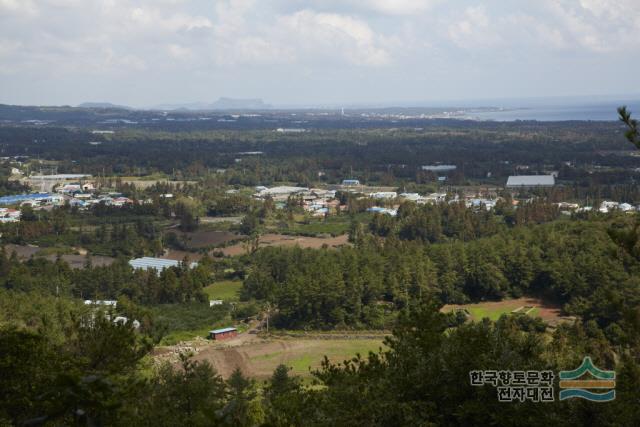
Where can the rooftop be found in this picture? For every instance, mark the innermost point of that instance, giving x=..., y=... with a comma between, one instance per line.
x=223, y=330
x=159, y=264
x=531, y=181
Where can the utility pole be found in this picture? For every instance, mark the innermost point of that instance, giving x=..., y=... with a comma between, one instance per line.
x=268, y=312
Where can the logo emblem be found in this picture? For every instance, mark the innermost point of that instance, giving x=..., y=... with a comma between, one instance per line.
x=571, y=386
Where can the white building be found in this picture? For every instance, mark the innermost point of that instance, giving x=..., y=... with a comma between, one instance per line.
x=607, y=206
x=529, y=181
x=108, y=303
x=439, y=168
x=384, y=211
x=281, y=192
x=487, y=204
x=384, y=195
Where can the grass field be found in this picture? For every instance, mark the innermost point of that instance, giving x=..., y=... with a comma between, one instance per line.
x=494, y=309
x=259, y=359
x=480, y=312
x=227, y=290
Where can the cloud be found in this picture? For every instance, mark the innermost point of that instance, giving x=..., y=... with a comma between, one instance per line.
x=346, y=43
x=328, y=34
x=398, y=7
x=18, y=7
x=474, y=30
x=598, y=25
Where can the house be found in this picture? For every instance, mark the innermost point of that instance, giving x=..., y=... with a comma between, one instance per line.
x=224, y=333
x=625, y=207
x=414, y=197
x=606, y=206
x=567, y=206
x=108, y=303
x=530, y=181
x=290, y=130
x=69, y=188
x=78, y=203
x=9, y=215
x=384, y=211
x=122, y=320
x=436, y=197
x=487, y=204
x=439, y=168
x=384, y=195
x=320, y=212
x=121, y=201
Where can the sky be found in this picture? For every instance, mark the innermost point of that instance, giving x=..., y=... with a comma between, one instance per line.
x=312, y=52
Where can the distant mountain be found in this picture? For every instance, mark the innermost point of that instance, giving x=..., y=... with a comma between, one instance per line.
x=220, y=104
x=193, y=106
x=103, y=105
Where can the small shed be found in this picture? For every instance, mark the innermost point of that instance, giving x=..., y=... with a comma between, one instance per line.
x=224, y=333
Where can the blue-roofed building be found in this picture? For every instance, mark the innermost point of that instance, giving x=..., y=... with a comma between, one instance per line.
x=159, y=264
x=37, y=197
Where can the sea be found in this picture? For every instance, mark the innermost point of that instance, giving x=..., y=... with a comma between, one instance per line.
x=600, y=111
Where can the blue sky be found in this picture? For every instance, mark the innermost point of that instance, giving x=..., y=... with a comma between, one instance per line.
x=148, y=52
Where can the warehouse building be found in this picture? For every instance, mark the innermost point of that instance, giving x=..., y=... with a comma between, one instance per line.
x=159, y=264
x=530, y=181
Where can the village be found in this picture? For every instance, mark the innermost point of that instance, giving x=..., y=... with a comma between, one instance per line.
x=79, y=191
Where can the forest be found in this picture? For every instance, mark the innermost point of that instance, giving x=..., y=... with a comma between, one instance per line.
x=66, y=362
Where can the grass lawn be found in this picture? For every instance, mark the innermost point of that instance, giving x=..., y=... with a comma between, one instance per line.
x=479, y=313
x=494, y=309
x=301, y=355
x=227, y=290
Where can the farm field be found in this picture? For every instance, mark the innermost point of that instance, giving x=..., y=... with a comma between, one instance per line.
x=260, y=357
x=227, y=290
x=494, y=309
x=285, y=240
x=204, y=239
x=74, y=260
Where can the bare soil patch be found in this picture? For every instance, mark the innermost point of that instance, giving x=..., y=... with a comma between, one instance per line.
x=74, y=261
x=285, y=240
